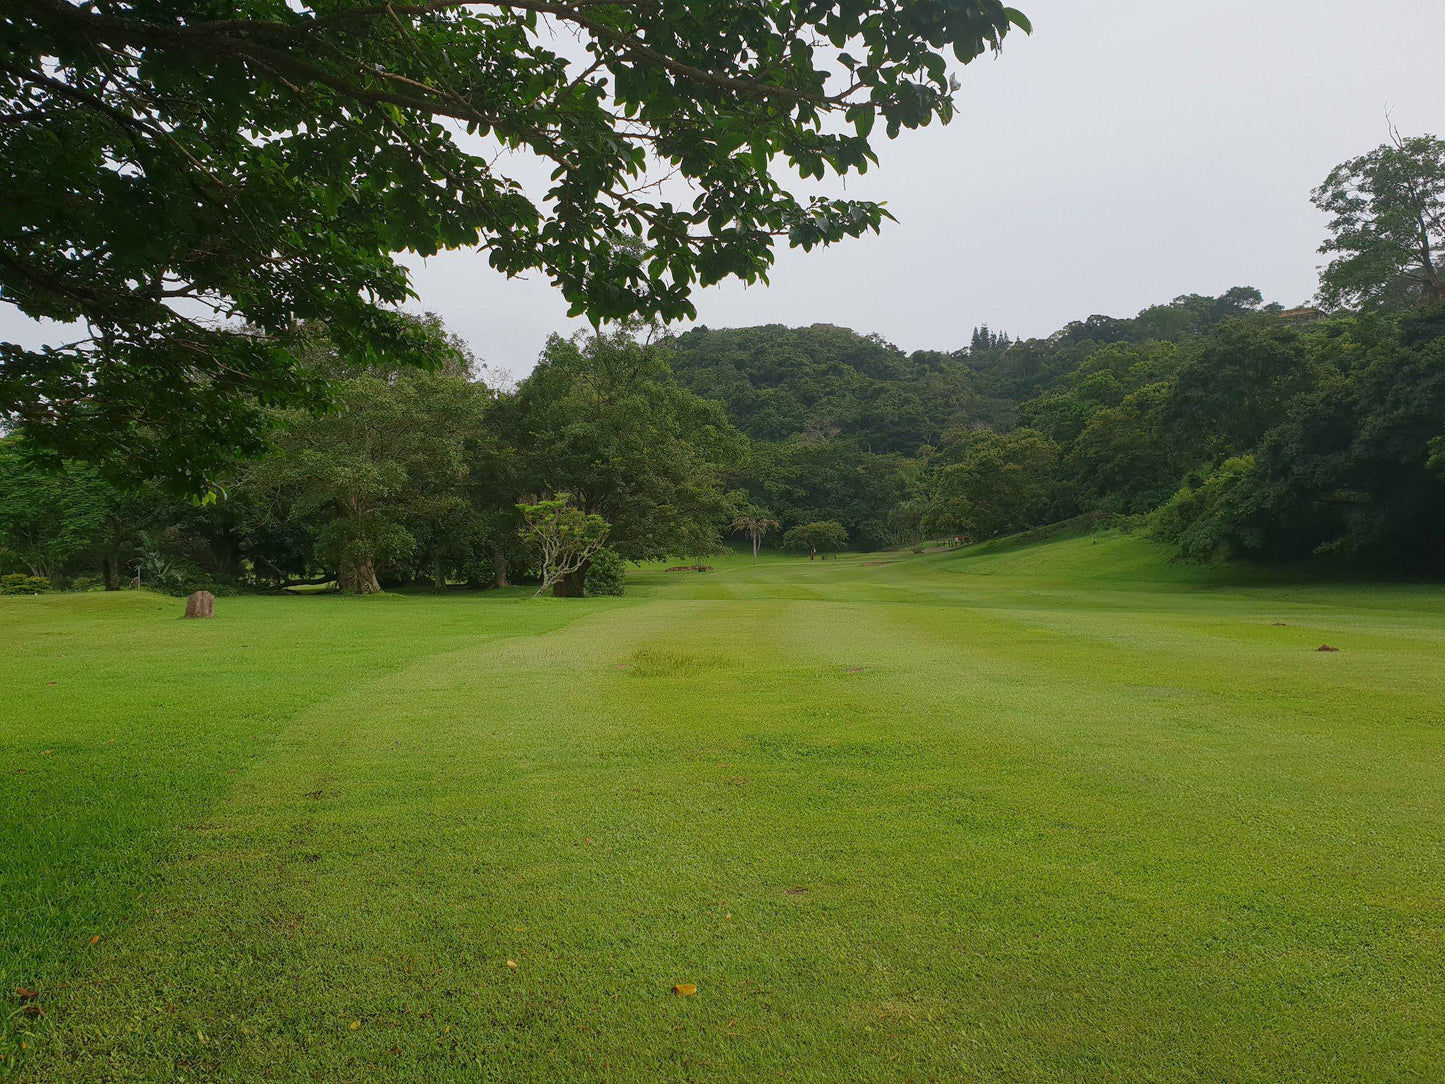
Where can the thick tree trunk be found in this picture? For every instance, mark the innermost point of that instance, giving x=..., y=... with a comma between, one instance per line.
x=359, y=577
x=572, y=585
x=112, y=560
x=499, y=562
x=438, y=580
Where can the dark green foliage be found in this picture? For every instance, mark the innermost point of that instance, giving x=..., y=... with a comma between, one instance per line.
x=1125, y=460
x=602, y=418
x=263, y=161
x=607, y=574
x=1036, y=367
x=1350, y=469
x=1387, y=211
x=1233, y=385
x=823, y=383
x=381, y=479
x=825, y=537
x=1222, y=516
x=52, y=515
x=809, y=480
x=19, y=583
x=987, y=484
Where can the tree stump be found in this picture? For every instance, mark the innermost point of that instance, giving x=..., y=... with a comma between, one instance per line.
x=201, y=604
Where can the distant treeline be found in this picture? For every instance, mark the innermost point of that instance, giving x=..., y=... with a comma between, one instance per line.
x=411, y=475
x=1229, y=428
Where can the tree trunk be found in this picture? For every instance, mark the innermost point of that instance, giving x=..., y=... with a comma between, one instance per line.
x=499, y=562
x=572, y=585
x=813, y=554
x=438, y=580
x=755, y=549
x=359, y=577
x=112, y=561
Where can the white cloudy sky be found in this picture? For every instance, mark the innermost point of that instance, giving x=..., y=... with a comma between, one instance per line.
x=1129, y=151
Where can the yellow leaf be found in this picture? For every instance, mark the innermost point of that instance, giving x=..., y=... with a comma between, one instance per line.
x=512, y=964
x=684, y=989
x=95, y=939
x=355, y=1024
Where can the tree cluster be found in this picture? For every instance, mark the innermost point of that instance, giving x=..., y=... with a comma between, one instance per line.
x=428, y=475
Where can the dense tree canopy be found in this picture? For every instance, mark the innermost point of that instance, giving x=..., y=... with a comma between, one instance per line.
x=1387, y=211
x=988, y=484
x=825, y=537
x=602, y=418
x=823, y=382
x=164, y=162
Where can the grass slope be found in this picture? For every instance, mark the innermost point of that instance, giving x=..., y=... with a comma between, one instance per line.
x=1050, y=813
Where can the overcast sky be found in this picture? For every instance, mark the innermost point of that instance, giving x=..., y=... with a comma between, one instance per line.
x=1129, y=151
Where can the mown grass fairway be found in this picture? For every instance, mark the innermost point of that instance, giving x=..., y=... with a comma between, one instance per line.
x=1050, y=813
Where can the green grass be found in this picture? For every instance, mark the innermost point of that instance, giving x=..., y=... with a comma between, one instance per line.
x=1056, y=812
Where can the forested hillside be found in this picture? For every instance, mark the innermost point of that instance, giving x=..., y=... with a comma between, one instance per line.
x=823, y=381
x=1244, y=429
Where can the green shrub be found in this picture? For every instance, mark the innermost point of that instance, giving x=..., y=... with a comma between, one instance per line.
x=606, y=575
x=1218, y=518
x=21, y=583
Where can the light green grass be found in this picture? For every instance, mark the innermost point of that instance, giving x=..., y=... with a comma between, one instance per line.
x=1023, y=813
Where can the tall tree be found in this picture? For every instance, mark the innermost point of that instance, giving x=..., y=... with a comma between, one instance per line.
x=164, y=160
x=997, y=483
x=1387, y=217
x=602, y=418
x=384, y=475
x=825, y=537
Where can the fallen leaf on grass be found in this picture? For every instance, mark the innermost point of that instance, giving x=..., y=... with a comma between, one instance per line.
x=512, y=964
x=355, y=1024
x=1326, y=647
x=26, y=994
x=797, y=890
x=95, y=939
x=33, y=1010
x=684, y=989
